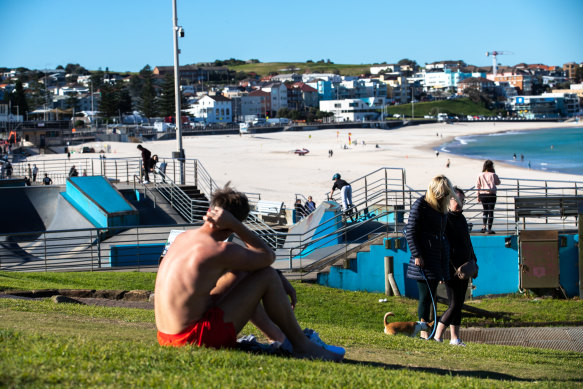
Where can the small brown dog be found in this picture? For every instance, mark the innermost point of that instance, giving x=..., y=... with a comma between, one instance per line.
x=408, y=328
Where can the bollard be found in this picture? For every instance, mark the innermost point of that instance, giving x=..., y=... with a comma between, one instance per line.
x=388, y=270
x=391, y=288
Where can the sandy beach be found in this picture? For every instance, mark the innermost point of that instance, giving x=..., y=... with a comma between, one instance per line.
x=266, y=163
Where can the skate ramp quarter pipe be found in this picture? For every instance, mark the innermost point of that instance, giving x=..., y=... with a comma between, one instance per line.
x=26, y=209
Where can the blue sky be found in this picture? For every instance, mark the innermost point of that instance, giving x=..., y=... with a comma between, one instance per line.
x=125, y=35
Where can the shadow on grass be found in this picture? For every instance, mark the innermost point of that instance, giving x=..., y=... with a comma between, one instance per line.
x=446, y=372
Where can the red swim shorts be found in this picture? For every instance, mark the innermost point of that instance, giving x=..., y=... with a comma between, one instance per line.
x=209, y=331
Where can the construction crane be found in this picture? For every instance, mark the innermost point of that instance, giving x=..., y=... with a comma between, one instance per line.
x=494, y=54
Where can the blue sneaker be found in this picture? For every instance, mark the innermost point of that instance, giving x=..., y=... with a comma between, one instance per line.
x=315, y=338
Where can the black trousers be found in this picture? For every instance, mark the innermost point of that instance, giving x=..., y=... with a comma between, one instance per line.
x=456, y=295
x=425, y=306
x=488, y=201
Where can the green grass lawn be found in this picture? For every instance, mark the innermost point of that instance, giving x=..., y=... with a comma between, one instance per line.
x=43, y=344
x=263, y=69
x=458, y=107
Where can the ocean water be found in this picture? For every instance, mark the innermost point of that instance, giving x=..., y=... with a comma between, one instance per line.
x=555, y=150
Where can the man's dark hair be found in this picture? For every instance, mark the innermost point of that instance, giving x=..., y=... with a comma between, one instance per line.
x=231, y=200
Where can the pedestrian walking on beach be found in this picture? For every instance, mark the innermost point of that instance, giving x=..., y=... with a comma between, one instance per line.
x=487, y=189
x=447, y=164
x=146, y=154
x=460, y=251
x=437, y=153
x=425, y=235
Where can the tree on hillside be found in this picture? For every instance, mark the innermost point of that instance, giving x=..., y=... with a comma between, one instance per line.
x=124, y=100
x=408, y=62
x=97, y=79
x=147, y=99
x=75, y=68
x=72, y=102
x=19, y=99
x=108, y=106
x=166, y=106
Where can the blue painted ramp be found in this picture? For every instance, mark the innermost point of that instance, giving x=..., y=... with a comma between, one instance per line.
x=316, y=233
x=103, y=205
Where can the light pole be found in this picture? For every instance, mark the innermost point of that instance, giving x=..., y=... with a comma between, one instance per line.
x=412, y=105
x=177, y=30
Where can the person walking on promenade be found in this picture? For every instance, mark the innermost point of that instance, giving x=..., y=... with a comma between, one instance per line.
x=146, y=154
x=34, y=172
x=47, y=180
x=486, y=185
x=425, y=236
x=345, y=191
x=207, y=289
x=29, y=171
x=460, y=251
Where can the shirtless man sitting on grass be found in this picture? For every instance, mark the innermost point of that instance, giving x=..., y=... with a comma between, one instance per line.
x=208, y=289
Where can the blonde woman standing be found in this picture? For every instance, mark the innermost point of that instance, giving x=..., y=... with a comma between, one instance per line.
x=425, y=237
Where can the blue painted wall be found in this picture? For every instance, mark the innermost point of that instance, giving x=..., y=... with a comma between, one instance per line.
x=135, y=255
x=569, y=265
x=498, y=274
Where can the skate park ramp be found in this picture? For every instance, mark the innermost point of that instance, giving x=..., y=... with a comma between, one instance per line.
x=315, y=236
x=27, y=209
x=29, y=212
x=96, y=199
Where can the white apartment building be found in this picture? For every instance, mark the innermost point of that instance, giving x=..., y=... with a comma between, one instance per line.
x=71, y=90
x=392, y=68
x=353, y=109
x=212, y=109
x=278, y=92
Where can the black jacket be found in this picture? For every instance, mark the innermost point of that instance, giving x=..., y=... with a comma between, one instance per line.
x=458, y=237
x=425, y=237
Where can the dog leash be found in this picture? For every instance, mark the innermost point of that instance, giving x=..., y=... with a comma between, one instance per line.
x=434, y=306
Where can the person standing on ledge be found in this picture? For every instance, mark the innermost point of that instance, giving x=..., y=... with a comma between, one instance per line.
x=207, y=289
x=146, y=154
x=345, y=191
x=486, y=185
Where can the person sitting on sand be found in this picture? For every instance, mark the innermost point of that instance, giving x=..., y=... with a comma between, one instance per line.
x=207, y=289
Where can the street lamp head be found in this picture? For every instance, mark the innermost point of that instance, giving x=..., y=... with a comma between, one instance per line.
x=181, y=32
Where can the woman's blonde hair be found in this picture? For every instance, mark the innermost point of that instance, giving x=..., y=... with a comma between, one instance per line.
x=439, y=192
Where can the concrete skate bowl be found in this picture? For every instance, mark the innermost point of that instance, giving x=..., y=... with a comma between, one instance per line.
x=37, y=222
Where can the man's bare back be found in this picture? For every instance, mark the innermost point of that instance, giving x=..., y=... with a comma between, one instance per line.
x=196, y=285
x=182, y=294
x=191, y=269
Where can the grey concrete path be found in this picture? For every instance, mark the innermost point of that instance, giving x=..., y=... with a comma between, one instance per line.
x=558, y=338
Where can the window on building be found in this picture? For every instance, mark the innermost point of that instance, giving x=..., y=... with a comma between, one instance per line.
x=217, y=112
x=228, y=112
x=337, y=105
